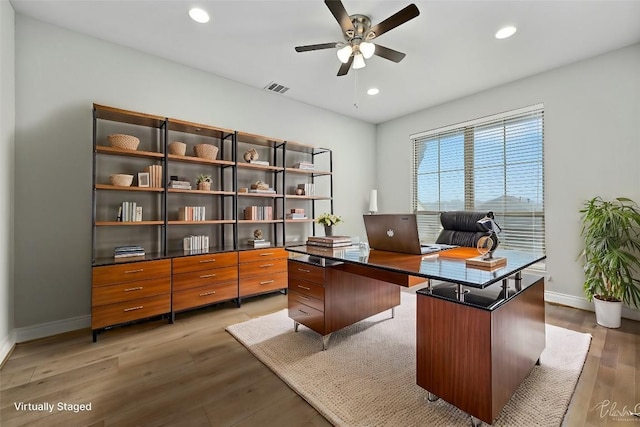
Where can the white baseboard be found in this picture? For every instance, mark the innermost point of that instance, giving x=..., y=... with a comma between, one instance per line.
x=584, y=304
x=6, y=345
x=42, y=330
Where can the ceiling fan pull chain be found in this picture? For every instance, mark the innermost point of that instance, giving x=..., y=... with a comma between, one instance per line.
x=355, y=89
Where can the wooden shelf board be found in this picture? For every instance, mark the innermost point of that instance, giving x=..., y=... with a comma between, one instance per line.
x=126, y=223
x=197, y=129
x=131, y=188
x=126, y=116
x=260, y=167
x=213, y=221
x=268, y=195
x=131, y=153
x=304, y=148
x=295, y=196
x=202, y=192
x=299, y=220
x=244, y=137
x=308, y=171
x=200, y=160
x=259, y=221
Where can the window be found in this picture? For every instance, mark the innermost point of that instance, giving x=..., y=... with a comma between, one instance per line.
x=492, y=164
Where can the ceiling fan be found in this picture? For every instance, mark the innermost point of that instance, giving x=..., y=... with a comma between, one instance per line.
x=358, y=34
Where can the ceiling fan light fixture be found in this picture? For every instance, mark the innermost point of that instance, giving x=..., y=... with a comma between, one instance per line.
x=367, y=49
x=506, y=32
x=373, y=91
x=358, y=62
x=199, y=15
x=345, y=53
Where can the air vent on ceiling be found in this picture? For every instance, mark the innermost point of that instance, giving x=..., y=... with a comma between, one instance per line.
x=276, y=87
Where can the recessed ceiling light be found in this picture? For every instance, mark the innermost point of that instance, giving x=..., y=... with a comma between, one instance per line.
x=506, y=32
x=199, y=15
x=373, y=91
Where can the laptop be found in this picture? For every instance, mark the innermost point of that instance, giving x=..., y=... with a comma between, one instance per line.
x=398, y=233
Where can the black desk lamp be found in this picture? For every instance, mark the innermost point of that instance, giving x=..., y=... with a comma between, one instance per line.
x=488, y=225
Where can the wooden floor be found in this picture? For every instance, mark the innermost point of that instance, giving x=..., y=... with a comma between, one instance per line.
x=193, y=373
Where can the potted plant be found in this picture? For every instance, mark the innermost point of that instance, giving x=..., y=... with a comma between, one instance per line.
x=611, y=255
x=204, y=182
x=328, y=220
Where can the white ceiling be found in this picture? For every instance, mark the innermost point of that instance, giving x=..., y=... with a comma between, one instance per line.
x=451, y=51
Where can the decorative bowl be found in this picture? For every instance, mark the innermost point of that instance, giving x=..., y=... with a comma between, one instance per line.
x=121, y=180
x=126, y=142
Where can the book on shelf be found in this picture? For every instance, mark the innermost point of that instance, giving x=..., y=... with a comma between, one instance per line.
x=304, y=165
x=329, y=239
x=185, y=185
x=193, y=243
x=259, y=162
x=128, y=212
x=296, y=216
x=258, y=213
x=308, y=189
x=155, y=175
x=265, y=191
x=128, y=251
x=328, y=245
x=296, y=210
x=192, y=213
x=138, y=213
x=258, y=243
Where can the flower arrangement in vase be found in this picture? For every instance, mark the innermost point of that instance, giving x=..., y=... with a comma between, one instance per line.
x=328, y=220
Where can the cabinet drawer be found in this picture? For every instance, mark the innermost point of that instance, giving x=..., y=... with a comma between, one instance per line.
x=308, y=316
x=129, y=272
x=265, y=266
x=204, y=295
x=261, y=284
x=313, y=290
x=303, y=271
x=112, y=314
x=122, y=292
x=318, y=304
x=262, y=254
x=204, y=262
x=204, y=277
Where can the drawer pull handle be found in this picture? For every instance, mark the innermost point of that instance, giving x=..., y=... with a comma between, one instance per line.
x=266, y=282
x=134, y=271
x=204, y=294
x=304, y=312
x=134, y=308
x=266, y=254
x=207, y=260
x=304, y=287
x=266, y=265
x=204, y=276
x=137, y=288
x=304, y=271
x=304, y=298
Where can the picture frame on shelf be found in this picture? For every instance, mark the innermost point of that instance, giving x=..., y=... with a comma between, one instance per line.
x=143, y=179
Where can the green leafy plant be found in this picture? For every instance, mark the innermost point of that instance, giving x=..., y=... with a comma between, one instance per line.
x=329, y=219
x=204, y=178
x=611, y=233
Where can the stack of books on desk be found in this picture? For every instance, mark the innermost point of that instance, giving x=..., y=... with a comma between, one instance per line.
x=259, y=243
x=329, y=241
x=128, y=251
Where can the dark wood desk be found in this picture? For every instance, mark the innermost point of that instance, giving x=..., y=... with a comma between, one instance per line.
x=479, y=332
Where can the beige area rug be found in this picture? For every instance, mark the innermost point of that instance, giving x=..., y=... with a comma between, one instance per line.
x=367, y=376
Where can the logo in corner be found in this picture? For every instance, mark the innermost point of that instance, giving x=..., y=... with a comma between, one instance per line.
x=390, y=232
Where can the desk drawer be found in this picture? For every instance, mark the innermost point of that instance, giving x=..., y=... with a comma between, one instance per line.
x=204, y=262
x=301, y=298
x=204, y=277
x=262, y=254
x=308, y=316
x=303, y=271
x=262, y=284
x=131, y=271
x=122, y=312
x=103, y=295
x=313, y=290
x=264, y=266
x=204, y=295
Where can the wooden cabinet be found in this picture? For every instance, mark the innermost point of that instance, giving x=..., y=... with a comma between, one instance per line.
x=307, y=295
x=204, y=279
x=262, y=271
x=125, y=292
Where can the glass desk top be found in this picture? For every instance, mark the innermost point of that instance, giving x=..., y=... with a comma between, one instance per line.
x=447, y=265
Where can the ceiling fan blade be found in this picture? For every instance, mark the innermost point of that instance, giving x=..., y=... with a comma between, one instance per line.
x=340, y=13
x=344, y=68
x=390, y=54
x=307, y=48
x=393, y=21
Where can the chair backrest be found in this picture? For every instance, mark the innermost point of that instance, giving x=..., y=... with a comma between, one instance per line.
x=461, y=228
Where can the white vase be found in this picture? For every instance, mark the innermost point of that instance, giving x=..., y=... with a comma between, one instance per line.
x=608, y=313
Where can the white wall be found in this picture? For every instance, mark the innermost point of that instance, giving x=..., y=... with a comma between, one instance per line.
x=7, y=124
x=592, y=147
x=59, y=74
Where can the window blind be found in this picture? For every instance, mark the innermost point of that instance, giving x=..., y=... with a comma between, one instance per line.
x=490, y=164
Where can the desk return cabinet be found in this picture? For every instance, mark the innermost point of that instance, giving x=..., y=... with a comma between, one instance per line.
x=123, y=293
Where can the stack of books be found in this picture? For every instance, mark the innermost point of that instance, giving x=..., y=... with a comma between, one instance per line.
x=128, y=251
x=304, y=165
x=308, y=189
x=129, y=212
x=297, y=214
x=258, y=243
x=329, y=241
x=191, y=213
x=185, y=185
x=259, y=162
x=155, y=175
x=193, y=243
x=258, y=213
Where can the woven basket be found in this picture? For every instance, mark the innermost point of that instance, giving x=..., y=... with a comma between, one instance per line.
x=206, y=151
x=126, y=142
x=177, y=147
x=121, y=180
